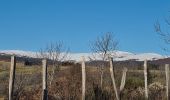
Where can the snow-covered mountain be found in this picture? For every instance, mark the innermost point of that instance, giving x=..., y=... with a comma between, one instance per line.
x=119, y=55
x=19, y=53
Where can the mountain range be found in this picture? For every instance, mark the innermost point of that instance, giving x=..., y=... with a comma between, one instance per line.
x=118, y=55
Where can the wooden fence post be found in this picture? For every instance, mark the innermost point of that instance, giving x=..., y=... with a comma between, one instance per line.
x=101, y=78
x=101, y=75
x=167, y=80
x=44, y=76
x=146, y=80
x=123, y=81
x=83, y=78
x=12, y=77
x=113, y=78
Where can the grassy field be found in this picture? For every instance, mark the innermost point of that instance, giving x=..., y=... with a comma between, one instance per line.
x=67, y=83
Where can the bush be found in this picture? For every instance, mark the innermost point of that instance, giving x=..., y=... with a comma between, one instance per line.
x=28, y=63
x=134, y=82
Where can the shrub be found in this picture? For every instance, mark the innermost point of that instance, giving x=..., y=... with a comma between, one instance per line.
x=134, y=82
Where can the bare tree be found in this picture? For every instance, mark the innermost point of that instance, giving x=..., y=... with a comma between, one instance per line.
x=164, y=32
x=55, y=52
x=104, y=46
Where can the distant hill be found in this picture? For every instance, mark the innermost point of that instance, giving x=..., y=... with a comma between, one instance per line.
x=123, y=59
x=118, y=55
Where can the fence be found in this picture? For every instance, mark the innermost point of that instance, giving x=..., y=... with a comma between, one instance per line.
x=117, y=91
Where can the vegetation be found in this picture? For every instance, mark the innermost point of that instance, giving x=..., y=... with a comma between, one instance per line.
x=67, y=83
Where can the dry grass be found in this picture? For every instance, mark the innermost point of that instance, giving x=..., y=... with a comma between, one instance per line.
x=67, y=83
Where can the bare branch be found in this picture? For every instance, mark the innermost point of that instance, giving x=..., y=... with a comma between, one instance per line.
x=167, y=20
x=56, y=53
x=164, y=35
x=104, y=45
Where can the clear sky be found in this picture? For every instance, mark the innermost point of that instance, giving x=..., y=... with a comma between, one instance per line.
x=31, y=24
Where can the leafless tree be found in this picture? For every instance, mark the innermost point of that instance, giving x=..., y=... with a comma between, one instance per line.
x=164, y=32
x=105, y=46
x=55, y=53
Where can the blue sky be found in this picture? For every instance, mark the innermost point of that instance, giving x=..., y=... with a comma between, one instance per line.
x=31, y=24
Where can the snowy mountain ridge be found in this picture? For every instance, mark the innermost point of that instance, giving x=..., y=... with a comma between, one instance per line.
x=119, y=55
